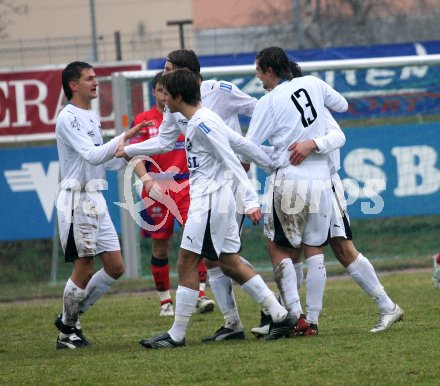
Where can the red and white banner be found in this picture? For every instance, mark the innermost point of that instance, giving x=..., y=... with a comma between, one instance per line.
x=30, y=99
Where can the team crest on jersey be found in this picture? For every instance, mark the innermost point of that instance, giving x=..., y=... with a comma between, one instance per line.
x=182, y=122
x=75, y=124
x=188, y=144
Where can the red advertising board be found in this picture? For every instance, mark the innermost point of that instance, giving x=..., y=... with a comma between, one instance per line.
x=30, y=99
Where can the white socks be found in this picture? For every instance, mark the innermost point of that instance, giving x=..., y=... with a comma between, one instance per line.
x=299, y=274
x=186, y=300
x=98, y=285
x=72, y=298
x=257, y=289
x=315, y=285
x=285, y=277
x=364, y=275
x=221, y=286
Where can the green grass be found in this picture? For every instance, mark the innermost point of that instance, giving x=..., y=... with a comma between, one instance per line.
x=344, y=353
x=391, y=244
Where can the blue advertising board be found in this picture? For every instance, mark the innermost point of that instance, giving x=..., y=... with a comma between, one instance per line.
x=28, y=183
x=315, y=54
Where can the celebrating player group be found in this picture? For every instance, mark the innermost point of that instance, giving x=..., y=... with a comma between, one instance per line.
x=189, y=150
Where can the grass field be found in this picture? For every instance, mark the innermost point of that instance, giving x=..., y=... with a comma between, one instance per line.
x=395, y=243
x=344, y=353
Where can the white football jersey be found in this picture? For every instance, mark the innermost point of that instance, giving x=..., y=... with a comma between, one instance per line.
x=227, y=100
x=81, y=150
x=330, y=144
x=294, y=111
x=211, y=159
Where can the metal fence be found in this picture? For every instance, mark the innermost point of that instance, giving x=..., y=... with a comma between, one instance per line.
x=329, y=33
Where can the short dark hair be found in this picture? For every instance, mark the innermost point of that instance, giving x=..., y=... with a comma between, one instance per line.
x=157, y=79
x=184, y=59
x=295, y=69
x=72, y=72
x=183, y=82
x=276, y=58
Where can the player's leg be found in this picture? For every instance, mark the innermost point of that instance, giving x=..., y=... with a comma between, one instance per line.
x=357, y=265
x=160, y=230
x=314, y=237
x=204, y=304
x=363, y=273
x=102, y=280
x=186, y=299
x=263, y=328
x=196, y=241
x=160, y=270
x=254, y=285
x=182, y=200
x=79, y=239
x=295, y=256
x=109, y=251
x=283, y=228
x=315, y=286
x=233, y=266
x=221, y=286
x=74, y=293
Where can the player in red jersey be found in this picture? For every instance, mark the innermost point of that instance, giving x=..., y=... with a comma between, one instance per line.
x=164, y=169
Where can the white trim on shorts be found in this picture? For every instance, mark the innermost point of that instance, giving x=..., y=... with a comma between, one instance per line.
x=340, y=221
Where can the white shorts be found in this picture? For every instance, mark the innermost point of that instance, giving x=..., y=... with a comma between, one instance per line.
x=301, y=206
x=211, y=227
x=340, y=222
x=84, y=224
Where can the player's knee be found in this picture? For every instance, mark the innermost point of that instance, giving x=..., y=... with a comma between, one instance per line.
x=344, y=250
x=116, y=270
x=210, y=264
x=160, y=248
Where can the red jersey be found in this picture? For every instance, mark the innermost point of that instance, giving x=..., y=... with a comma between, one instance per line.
x=176, y=157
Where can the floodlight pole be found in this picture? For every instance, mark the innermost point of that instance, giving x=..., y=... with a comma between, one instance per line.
x=93, y=25
x=180, y=24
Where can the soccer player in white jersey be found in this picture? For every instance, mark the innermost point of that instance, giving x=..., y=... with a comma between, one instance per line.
x=227, y=100
x=211, y=229
x=86, y=229
x=356, y=264
x=293, y=111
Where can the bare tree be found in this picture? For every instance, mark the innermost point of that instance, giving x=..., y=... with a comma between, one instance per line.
x=326, y=23
x=7, y=9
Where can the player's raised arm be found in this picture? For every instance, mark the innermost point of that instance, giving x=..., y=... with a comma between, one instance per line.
x=164, y=142
x=83, y=143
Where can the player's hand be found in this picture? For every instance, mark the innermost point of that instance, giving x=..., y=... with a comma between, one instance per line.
x=300, y=150
x=246, y=166
x=120, y=151
x=136, y=129
x=153, y=190
x=254, y=215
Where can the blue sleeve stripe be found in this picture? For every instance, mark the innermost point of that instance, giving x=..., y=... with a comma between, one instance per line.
x=225, y=87
x=204, y=128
